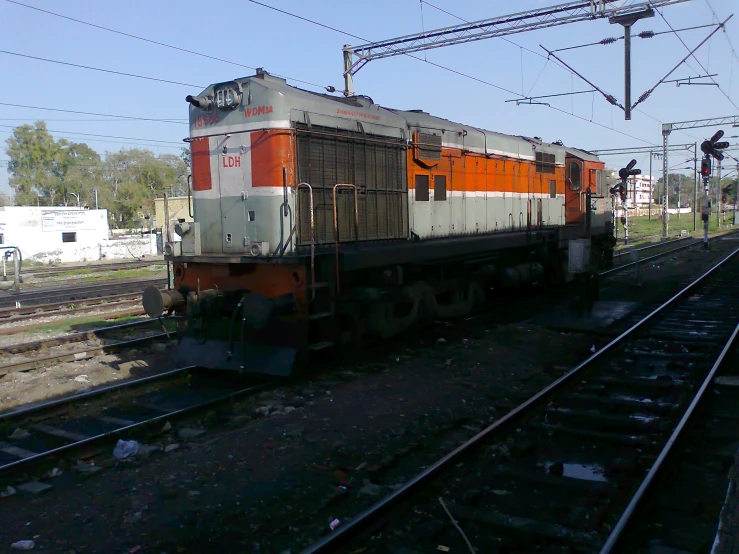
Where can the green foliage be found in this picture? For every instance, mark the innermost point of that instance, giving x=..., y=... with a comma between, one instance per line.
x=62, y=173
x=687, y=187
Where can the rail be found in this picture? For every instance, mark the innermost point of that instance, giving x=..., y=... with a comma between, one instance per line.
x=216, y=394
x=512, y=421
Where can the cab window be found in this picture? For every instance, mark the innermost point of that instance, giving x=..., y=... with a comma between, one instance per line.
x=574, y=177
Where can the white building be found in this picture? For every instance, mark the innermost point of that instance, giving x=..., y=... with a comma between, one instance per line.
x=66, y=234
x=640, y=189
x=643, y=186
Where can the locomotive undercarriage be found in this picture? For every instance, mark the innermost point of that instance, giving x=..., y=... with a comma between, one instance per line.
x=270, y=318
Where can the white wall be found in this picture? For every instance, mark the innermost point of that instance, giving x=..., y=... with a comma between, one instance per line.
x=38, y=232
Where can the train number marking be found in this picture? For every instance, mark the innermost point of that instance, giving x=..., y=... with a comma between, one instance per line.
x=205, y=120
x=258, y=110
x=231, y=161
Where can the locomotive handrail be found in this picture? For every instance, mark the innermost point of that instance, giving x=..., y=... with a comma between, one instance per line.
x=336, y=226
x=520, y=220
x=312, y=235
x=510, y=219
x=189, y=201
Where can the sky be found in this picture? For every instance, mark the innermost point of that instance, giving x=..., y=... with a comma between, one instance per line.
x=246, y=35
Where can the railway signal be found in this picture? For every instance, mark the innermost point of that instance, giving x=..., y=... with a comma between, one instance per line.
x=622, y=190
x=712, y=148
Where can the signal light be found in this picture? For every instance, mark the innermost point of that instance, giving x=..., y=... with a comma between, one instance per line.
x=706, y=167
x=713, y=148
x=628, y=171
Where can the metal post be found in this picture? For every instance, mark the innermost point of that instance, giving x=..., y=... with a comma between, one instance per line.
x=167, y=236
x=348, y=77
x=96, y=199
x=626, y=224
x=706, y=212
x=679, y=186
x=651, y=183
x=637, y=213
x=17, y=271
x=5, y=271
x=627, y=71
x=718, y=196
x=736, y=194
x=695, y=188
x=627, y=21
x=666, y=129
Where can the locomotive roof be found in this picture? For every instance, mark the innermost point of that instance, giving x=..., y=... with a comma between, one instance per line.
x=269, y=102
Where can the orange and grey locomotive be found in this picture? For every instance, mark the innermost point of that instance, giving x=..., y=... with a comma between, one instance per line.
x=319, y=221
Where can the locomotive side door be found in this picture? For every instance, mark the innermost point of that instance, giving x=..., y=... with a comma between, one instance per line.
x=422, y=221
x=234, y=182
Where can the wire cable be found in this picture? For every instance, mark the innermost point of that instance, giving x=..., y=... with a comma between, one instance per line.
x=102, y=70
x=441, y=67
x=176, y=121
x=156, y=42
x=555, y=63
x=102, y=136
x=548, y=59
x=724, y=30
x=696, y=58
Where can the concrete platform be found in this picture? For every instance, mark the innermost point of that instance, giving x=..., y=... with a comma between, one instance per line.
x=604, y=313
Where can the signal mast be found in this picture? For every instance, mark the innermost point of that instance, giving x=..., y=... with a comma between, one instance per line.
x=712, y=149
x=621, y=189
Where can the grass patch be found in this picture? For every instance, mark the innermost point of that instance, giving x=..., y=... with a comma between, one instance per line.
x=642, y=229
x=88, y=276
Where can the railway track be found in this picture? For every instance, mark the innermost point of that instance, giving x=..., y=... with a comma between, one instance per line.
x=53, y=428
x=43, y=272
x=684, y=244
x=88, y=344
x=75, y=294
x=563, y=469
x=628, y=251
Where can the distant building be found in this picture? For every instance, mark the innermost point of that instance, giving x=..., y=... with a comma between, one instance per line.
x=66, y=234
x=643, y=185
x=178, y=209
x=640, y=189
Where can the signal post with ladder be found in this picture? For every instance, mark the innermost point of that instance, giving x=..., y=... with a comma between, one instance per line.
x=712, y=148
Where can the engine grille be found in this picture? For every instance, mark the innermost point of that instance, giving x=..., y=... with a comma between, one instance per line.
x=375, y=165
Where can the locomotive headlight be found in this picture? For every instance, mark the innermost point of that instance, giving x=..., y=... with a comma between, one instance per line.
x=228, y=96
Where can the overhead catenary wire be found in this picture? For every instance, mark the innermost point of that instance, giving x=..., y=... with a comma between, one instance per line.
x=644, y=34
x=696, y=58
x=460, y=73
x=547, y=61
x=102, y=136
x=100, y=69
x=156, y=120
x=733, y=51
x=95, y=140
x=156, y=42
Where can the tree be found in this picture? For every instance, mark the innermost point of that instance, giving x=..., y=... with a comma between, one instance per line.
x=44, y=171
x=185, y=155
x=33, y=163
x=48, y=172
x=79, y=170
x=135, y=177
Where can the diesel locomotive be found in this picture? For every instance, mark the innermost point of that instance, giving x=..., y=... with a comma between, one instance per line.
x=321, y=221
